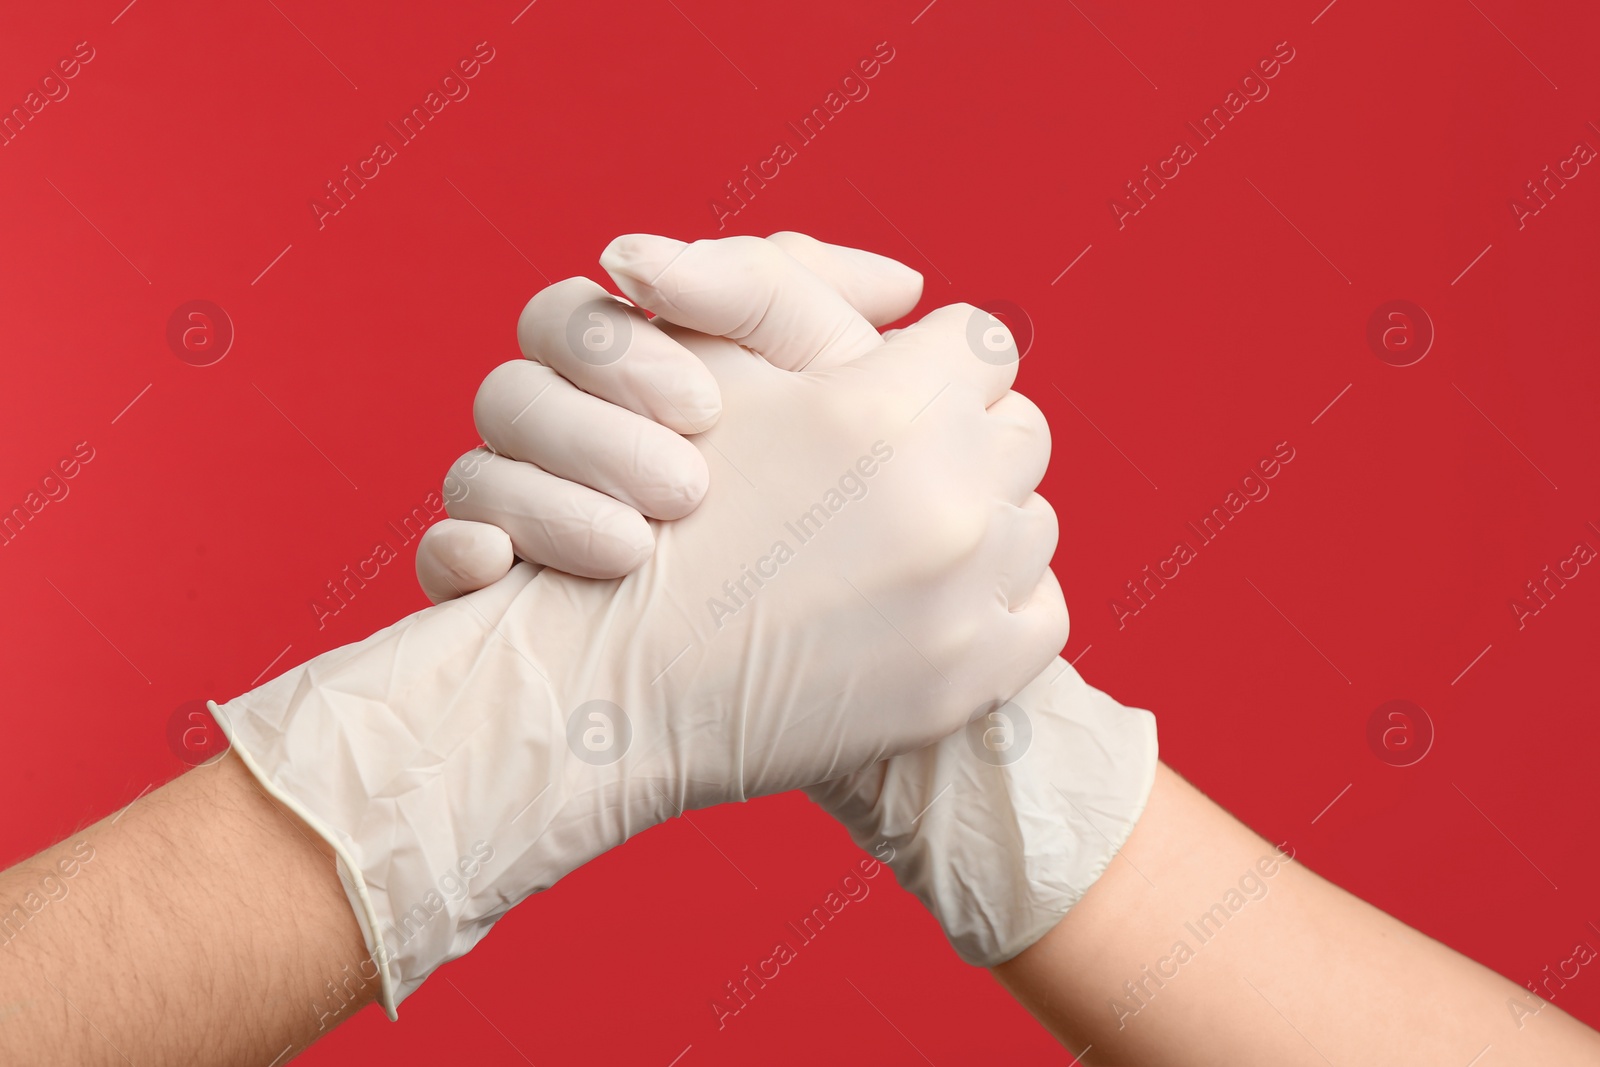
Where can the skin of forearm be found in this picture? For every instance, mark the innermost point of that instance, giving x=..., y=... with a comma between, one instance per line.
x=1292, y=970
x=203, y=923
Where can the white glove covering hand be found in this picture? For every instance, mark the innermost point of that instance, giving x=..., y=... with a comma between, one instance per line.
x=543, y=509
x=867, y=572
x=998, y=829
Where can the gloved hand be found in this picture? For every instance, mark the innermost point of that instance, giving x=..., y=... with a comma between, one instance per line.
x=867, y=571
x=999, y=828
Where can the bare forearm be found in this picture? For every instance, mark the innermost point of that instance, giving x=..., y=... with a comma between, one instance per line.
x=1201, y=944
x=201, y=924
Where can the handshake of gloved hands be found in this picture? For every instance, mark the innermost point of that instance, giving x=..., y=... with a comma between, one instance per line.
x=763, y=547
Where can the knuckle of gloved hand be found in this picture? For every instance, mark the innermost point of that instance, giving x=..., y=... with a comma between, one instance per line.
x=753, y=251
x=437, y=549
x=458, y=480
x=886, y=405
x=1017, y=438
x=548, y=309
x=765, y=261
x=908, y=401
x=965, y=634
x=686, y=482
x=941, y=333
x=1059, y=627
x=670, y=476
x=1020, y=409
x=496, y=385
x=946, y=530
x=621, y=540
x=1048, y=624
x=470, y=553
x=557, y=297
x=955, y=318
x=1050, y=535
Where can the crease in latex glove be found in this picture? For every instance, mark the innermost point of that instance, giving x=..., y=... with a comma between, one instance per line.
x=999, y=841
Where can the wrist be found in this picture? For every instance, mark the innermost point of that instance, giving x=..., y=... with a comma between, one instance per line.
x=231, y=921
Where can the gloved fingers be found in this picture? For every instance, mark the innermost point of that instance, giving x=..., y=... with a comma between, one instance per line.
x=746, y=289
x=527, y=411
x=1022, y=445
x=610, y=350
x=1012, y=646
x=880, y=288
x=1039, y=625
x=456, y=557
x=939, y=350
x=990, y=338
x=550, y=520
x=1026, y=539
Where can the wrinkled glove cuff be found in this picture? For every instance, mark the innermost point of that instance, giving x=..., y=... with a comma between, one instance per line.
x=999, y=830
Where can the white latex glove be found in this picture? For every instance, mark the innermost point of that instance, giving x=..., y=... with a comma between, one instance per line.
x=543, y=510
x=867, y=571
x=1000, y=828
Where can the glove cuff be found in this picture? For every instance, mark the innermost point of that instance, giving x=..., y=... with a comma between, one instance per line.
x=350, y=876
x=436, y=765
x=999, y=830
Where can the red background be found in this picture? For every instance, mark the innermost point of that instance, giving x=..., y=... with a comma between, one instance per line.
x=1220, y=321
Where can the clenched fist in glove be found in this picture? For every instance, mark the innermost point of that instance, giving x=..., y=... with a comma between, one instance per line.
x=998, y=828
x=866, y=572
